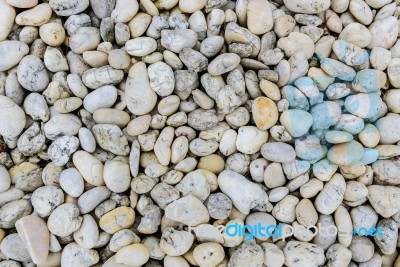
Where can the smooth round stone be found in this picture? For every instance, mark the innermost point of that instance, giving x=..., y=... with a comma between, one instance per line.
x=117, y=175
x=140, y=98
x=119, y=59
x=141, y=46
x=338, y=137
x=393, y=72
x=124, y=10
x=191, y=6
x=35, y=16
x=117, y=219
x=72, y=182
x=133, y=255
x=307, y=6
x=64, y=220
x=369, y=80
x=11, y=53
x=33, y=231
x=111, y=116
x=5, y=180
x=370, y=156
x=208, y=254
x=103, y=97
x=46, y=198
x=84, y=39
x=349, y=53
x=297, y=42
x=363, y=105
x=290, y=120
x=68, y=7
x=265, y=113
x=13, y=247
x=384, y=32
x=223, y=63
x=250, y=139
x=75, y=255
x=389, y=129
x=346, y=153
x=259, y=16
x=53, y=34
x=356, y=34
x=392, y=100
x=12, y=118
x=296, y=99
x=87, y=140
x=90, y=167
x=32, y=74
x=7, y=17
x=325, y=115
x=369, y=136
x=139, y=125
x=277, y=194
x=278, y=152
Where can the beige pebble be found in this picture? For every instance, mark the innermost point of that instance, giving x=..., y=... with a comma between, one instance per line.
x=369, y=136
x=133, y=255
x=117, y=219
x=265, y=113
x=33, y=231
x=36, y=16
x=208, y=254
x=259, y=16
x=53, y=34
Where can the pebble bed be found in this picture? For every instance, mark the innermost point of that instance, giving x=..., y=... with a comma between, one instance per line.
x=133, y=131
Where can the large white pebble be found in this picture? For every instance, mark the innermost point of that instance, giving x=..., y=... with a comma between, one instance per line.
x=140, y=98
x=7, y=16
x=72, y=182
x=12, y=118
x=307, y=6
x=11, y=52
x=90, y=167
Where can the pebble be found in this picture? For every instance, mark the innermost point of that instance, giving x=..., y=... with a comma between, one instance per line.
x=72, y=182
x=75, y=255
x=12, y=119
x=14, y=210
x=134, y=255
x=173, y=105
x=12, y=52
x=387, y=128
x=289, y=119
x=64, y=220
x=36, y=16
x=35, y=235
x=384, y=199
x=7, y=19
x=303, y=253
x=89, y=167
x=32, y=74
x=14, y=248
x=68, y=8
x=346, y=153
x=110, y=138
x=187, y=210
x=278, y=152
x=223, y=63
x=117, y=219
x=259, y=16
x=331, y=195
x=252, y=195
x=265, y=113
x=140, y=98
